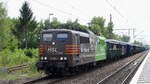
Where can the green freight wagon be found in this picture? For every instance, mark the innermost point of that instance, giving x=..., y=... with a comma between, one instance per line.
x=114, y=49
x=100, y=51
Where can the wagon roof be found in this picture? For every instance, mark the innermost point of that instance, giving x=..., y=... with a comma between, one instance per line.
x=116, y=42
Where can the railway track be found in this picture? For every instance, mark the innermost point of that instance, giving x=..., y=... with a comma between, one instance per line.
x=36, y=80
x=91, y=76
x=46, y=80
x=18, y=67
x=124, y=74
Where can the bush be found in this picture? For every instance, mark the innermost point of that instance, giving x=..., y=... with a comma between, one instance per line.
x=32, y=53
x=28, y=53
x=19, y=56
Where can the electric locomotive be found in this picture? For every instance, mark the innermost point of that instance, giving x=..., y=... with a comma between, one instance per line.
x=62, y=50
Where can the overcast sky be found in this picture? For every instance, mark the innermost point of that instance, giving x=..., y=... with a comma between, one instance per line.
x=125, y=13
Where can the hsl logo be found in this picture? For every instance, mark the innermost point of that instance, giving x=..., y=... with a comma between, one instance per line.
x=52, y=49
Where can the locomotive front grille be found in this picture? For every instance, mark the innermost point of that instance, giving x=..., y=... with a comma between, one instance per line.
x=53, y=58
x=50, y=64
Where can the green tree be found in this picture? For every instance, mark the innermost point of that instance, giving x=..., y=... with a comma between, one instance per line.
x=95, y=28
x=110, y=30
x=97, y=25
x=46, y=24
x=6, y=37
x=116, y=37
x=55, y=23
x=138, y=43
x=25, y=25
x=73, y=26
x=8, y=40
x=125, y=38
x=3, y=14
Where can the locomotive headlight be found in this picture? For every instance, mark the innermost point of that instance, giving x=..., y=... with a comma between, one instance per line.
x=61, y=58
x=42, y=58
x=45, y=58
x=65, y=58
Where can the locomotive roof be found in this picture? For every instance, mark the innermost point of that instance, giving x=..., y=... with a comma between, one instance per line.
x=49, y=30
x=68, y=30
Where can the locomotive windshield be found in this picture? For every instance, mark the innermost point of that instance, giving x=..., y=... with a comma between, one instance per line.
x=47, y=37
x=61, y=37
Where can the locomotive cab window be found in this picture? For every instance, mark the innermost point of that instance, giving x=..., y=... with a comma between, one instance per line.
x=47, y=37
x=62, y=37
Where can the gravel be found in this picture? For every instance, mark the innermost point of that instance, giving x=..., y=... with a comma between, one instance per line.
x=94, y=76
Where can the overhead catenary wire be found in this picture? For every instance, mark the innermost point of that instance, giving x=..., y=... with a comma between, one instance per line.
x=75, y=7
x=116, y=10
x=59, y=10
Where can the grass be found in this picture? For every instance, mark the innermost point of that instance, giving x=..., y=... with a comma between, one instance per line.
x=30, y=72
x=17, y=57
x=20, y=75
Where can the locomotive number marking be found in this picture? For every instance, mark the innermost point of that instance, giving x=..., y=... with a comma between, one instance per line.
x=85, y=49
x=52, y=49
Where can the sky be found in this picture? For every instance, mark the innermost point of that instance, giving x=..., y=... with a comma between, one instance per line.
x=125, y=13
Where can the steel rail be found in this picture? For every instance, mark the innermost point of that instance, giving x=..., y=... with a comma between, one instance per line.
x=18, y=67
x=133, y=71
x=118, y=70
x=51, y=80
x=36, y=80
